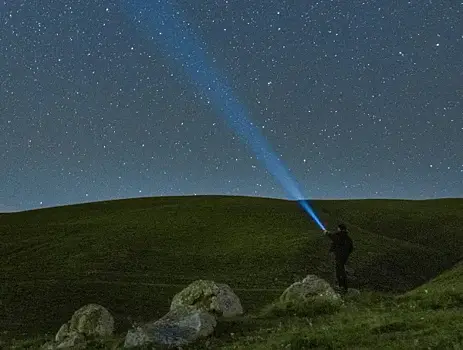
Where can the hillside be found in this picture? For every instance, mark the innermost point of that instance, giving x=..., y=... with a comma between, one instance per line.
x=133, y=255
x=428, y=317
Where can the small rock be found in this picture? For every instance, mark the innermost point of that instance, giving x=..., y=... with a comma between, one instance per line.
x=352, y=293
x=92, y=319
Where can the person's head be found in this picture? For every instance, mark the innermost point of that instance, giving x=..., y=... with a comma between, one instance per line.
x=342, y=228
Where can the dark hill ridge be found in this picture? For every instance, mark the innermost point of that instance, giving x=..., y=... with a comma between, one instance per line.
x=133, y=255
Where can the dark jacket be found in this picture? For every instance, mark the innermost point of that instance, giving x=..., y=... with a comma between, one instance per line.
x=342, y=245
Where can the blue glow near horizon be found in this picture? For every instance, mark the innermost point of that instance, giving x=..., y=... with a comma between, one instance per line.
x=163, y=23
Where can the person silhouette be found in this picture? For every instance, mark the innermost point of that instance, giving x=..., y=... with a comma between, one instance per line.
x=342, y=246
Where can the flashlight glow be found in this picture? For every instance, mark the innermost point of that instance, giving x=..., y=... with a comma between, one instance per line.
x=163, y=23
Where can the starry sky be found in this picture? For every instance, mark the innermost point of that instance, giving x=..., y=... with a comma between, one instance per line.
x=359, y=99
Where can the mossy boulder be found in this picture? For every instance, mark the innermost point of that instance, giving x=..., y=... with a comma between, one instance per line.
x=92, y=320
x=181, y=326
x=216, y=298
x=310, y=287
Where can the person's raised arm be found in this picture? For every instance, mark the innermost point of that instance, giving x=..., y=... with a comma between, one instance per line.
x=328, y=233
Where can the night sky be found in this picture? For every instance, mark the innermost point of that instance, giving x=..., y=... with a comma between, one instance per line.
x=359, y=99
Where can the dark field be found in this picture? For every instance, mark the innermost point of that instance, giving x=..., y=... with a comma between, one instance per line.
x=132, y=256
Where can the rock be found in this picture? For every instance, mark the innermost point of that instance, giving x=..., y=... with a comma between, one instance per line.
x=209, y=296
x=352, y=293
x=73, y=341
x=309, y=288
x=137, y=336
x=48, y=346
x=62, y=333
x=180, y=326
x=92, y=319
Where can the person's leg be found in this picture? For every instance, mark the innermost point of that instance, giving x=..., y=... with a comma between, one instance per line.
x=341, y=274
x=334, y=271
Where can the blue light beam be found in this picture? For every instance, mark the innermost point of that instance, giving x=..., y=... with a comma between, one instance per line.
x=164, y=24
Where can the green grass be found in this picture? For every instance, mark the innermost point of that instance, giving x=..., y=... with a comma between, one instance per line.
x=360, y=329
x=445, y=291
x=132, y=256
x=375, y=321
x=309, y=308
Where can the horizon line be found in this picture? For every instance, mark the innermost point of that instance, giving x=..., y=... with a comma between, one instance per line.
x=11, y=210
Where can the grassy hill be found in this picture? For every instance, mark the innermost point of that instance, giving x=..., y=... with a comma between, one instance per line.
x=428, y=317
x=132, y=256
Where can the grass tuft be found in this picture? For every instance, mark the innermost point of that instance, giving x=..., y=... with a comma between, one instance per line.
x=310, y=308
